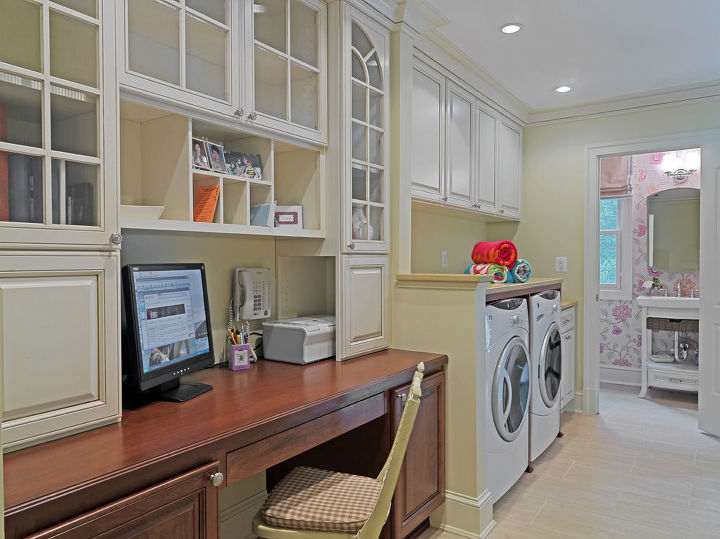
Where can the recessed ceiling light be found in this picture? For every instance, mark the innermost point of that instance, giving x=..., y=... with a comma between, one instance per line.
x=563, y=89
x=510, y=28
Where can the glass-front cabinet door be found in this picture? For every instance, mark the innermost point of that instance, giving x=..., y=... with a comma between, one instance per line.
x=366, y=219
x=181, y=50
x=57, y=134
x=287, y=86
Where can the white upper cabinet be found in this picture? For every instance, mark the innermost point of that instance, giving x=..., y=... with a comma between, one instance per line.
x=459, y=146
x=510, y=159
x=465, y=154
x=485, y=144
x=257, y=63
x=428, y=133
x=57, y=127
x=367, y=145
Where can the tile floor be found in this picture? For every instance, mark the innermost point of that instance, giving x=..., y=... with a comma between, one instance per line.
x=639, y=469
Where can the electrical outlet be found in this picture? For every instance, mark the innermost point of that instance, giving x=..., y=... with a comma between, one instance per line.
x=443, y=258
x=560, y=264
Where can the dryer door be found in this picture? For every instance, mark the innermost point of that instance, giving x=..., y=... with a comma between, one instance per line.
x=511, y=389
x=550, y=366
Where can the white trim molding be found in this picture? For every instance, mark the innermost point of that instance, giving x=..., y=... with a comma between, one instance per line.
x=627, y=376
x=464, y=515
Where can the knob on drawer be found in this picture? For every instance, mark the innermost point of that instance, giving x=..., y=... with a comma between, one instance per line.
x=217, y=479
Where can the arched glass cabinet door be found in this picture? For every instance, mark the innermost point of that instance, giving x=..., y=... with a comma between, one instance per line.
x=367, y=225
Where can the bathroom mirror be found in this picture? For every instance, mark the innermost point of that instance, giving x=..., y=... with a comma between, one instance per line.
x=674, y=230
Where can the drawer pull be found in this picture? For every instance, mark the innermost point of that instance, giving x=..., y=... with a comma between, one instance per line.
x=217, y=479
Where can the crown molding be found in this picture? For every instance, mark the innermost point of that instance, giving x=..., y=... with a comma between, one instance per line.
x=418, y=15
x=669, y=97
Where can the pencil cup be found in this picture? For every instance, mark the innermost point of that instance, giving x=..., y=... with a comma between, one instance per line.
x=238, y=356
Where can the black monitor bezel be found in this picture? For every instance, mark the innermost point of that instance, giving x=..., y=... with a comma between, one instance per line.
x=132, y=365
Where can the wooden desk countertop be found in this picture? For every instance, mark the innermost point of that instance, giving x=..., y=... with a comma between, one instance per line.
x=244, y=407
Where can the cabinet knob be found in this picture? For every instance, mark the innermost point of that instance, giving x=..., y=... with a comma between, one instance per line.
x=502, y=211
x=252, y=116
x=403, y=399
x=217, y=479
x=351, y=245
x=116, y=238
x=239, y=113
x=568, y=337
x=445, y=199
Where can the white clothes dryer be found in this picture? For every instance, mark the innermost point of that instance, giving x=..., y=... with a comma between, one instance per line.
x=546, y=361
x=507, y=394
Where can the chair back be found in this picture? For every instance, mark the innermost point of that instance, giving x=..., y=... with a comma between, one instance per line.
x=390, y=472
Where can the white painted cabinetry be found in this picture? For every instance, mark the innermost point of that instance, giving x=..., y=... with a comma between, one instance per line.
x=258, y=63
x=465, y=154
x=568, y=334
x=363, y=264
x=59, y=282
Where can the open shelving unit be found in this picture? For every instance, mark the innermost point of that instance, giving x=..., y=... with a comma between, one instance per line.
x=156, y=170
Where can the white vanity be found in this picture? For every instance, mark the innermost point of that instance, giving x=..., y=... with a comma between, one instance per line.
x=676, y=314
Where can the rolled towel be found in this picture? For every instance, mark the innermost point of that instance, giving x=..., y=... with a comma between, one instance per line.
x=499, y=273
x=520, y=272
x=495, y=252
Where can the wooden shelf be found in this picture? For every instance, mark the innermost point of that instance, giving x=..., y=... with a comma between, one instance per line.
x=168, y=225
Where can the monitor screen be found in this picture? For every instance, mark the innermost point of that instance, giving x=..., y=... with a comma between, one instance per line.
x=167, y=320
x=171, y=316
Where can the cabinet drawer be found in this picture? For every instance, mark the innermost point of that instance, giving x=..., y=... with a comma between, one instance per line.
x=687, y=381
x=567, y=319
x=265, y=453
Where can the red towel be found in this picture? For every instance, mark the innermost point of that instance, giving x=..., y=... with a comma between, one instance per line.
x=495, y=252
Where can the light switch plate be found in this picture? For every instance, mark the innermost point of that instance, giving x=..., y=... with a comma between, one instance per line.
x=560, y=264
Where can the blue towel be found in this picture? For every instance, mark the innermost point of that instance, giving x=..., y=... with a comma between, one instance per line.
x=520, y=272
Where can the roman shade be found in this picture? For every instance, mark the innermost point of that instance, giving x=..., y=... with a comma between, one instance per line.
x=615, y=177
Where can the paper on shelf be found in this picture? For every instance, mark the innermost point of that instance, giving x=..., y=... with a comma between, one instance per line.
x=205, y=204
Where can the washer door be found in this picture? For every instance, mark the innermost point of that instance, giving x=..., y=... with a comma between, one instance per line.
x=511, y=389
x=550, y=366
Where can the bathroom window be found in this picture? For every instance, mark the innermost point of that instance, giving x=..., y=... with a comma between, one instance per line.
x=615, y=248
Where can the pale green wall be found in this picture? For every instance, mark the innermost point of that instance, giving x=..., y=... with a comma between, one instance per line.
x=553, y=195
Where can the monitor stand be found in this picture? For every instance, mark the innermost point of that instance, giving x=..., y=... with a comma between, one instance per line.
x=180, y=392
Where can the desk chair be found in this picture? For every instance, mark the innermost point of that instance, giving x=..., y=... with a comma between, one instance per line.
x=318, y=504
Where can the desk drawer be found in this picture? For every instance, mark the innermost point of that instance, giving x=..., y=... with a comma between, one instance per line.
x=567, y=319
x=265, y=453
x=672, y=380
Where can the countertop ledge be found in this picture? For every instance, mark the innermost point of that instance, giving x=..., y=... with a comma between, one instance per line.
x=568, y=303
x=532, y=284
x=441, y=281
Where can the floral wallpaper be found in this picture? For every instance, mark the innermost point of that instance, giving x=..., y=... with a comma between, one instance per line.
x=620, y=321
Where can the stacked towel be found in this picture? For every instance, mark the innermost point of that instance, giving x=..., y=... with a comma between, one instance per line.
x=500, y=273
x=520, y=272
x=495, y=252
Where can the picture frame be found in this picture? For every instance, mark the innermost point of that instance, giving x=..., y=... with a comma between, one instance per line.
x=199, y=154
x=216, y=157
x=243, y=165
x=289, y=217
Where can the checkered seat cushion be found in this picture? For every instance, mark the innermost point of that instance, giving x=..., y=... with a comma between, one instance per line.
x=321, y=500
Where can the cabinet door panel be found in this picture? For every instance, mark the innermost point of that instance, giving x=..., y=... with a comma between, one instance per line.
x=428, y=133
x=421, y=484
x=459, y=146
x=59, y=332
x=568, y=368
x=184, y=507
x=485, y=145
x=365, y=297
x=510, y=156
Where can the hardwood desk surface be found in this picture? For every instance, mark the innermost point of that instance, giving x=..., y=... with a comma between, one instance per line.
x=243, y=407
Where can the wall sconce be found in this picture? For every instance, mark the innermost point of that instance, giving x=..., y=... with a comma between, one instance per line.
x=674, y=166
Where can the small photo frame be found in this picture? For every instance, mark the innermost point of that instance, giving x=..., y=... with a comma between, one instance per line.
x=217, y=158
x=289, y=217
x=243, y=165
x=199, y=154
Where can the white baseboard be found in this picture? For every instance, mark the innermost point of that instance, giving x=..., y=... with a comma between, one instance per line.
x=236, y=520
x=464, y=515
x=575, y=406
x=625, y=377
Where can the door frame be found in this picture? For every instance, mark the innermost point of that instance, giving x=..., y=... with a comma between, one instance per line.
x=591, y=286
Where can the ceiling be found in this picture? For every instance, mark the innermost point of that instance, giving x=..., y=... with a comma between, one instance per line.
x=604, y=49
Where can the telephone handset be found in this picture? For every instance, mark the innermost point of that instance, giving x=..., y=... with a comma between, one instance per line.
x=252, y=293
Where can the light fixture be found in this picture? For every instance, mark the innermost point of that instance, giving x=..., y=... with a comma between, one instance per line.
x=510, y=28
x=674, y=166
x=563, y=89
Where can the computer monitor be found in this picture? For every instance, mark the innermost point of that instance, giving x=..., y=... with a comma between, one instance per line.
x=167, y=329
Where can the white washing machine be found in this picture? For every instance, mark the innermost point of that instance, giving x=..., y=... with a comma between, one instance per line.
x=507, y=394
x=546, y=360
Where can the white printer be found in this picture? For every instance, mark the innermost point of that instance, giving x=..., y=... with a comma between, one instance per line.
x=299, y=340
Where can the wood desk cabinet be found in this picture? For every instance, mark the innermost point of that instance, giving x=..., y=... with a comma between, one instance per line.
x=151, y=475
